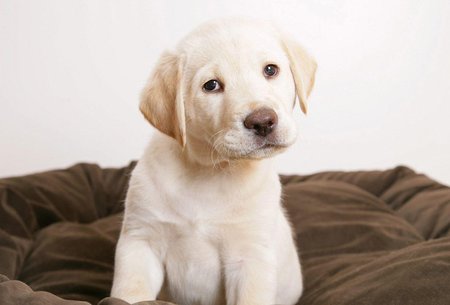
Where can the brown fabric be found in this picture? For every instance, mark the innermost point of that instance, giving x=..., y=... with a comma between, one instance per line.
x=378, y=237
x=372, y=237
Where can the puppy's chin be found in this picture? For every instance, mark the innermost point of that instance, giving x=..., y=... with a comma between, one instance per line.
x=236, y=146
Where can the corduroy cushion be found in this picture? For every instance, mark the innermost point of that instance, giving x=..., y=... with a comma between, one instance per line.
x=378, y=237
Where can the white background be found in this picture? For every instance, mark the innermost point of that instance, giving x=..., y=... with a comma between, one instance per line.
x=71, y=73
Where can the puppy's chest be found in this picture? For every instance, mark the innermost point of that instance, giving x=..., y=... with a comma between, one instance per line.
x=193, y=265
x=189, y=228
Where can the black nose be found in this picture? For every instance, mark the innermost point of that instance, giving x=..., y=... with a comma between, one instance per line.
x=263, y=121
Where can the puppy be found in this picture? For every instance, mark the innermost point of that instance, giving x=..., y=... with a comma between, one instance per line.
x=203, y=222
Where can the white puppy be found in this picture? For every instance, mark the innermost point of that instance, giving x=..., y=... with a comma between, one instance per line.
x=203, y=221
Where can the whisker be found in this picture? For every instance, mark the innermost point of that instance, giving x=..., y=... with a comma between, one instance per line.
x=216, y=141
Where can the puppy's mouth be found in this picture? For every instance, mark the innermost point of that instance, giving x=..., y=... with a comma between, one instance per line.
x=261, y=151
x=269, y=146
x=272, y=146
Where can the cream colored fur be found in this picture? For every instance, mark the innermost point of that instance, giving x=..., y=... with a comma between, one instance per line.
x=203, y=222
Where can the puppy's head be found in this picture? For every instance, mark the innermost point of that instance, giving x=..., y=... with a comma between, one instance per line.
x=228, y=91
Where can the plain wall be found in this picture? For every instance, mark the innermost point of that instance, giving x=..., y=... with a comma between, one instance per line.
x=71, y=73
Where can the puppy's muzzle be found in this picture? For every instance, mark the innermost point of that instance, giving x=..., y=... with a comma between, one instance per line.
x=262, y=121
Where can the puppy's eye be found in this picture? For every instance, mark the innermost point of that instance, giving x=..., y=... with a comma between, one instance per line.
x=270, y=70
x=212, y=86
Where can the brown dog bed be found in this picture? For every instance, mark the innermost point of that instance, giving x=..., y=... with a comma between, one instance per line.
x=378, y=237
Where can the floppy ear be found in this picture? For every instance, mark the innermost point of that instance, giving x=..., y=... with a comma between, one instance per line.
x=303, y=69
x=162, y=100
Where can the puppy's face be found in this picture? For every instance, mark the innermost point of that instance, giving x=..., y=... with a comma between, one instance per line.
x=229, y=91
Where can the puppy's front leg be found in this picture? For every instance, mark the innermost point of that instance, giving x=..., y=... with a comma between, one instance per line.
x=138, y=273
x=250, y=275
